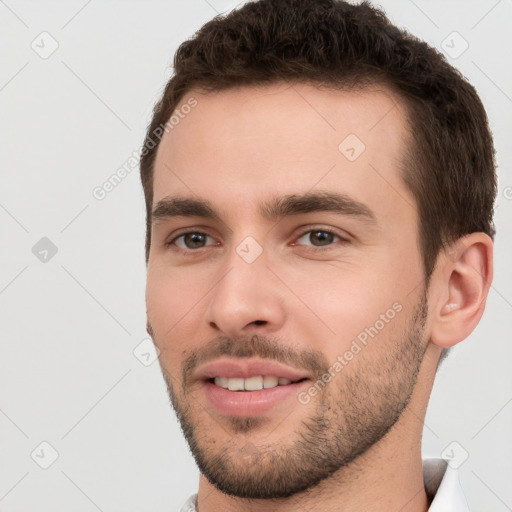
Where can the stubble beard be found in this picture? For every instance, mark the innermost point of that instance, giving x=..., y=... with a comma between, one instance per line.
x=358, y=407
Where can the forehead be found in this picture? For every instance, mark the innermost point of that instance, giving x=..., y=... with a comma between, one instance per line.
x=250, y=141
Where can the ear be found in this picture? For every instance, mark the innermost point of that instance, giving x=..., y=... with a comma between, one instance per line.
x=459, y=288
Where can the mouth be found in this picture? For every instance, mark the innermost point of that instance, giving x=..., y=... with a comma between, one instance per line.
x=250, y=387
x=255, y=383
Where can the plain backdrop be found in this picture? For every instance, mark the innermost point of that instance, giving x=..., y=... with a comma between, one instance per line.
x=78, y=394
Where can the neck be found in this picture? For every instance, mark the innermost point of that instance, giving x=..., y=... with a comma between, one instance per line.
x=386, y=478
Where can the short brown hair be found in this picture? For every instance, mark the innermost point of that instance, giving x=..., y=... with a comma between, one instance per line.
x=449, y=168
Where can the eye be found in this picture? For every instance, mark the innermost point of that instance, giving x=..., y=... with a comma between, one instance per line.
x=320, y=238
x=190, y=240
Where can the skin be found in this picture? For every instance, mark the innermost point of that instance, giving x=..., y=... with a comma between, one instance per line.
x=237, y=149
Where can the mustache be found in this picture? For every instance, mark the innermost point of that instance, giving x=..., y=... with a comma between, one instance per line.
x=255, y=346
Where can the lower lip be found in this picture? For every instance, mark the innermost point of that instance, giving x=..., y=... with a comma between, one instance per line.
x=250, y=403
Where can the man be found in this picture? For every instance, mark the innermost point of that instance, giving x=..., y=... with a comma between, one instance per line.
x=319, y=188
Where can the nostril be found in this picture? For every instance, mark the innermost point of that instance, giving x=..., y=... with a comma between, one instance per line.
x=259, y=322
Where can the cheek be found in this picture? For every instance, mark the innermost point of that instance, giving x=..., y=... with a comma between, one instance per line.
x=171, y=300
x=338, y=303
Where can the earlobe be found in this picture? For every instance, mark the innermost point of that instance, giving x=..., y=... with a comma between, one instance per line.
x=461, y=285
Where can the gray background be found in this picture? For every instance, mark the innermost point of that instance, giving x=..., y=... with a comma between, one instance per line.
x=74, y=364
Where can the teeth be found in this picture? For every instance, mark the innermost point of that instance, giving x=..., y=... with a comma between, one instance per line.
x=269, y=381
x=222, y=382
x=251, y=383
x=236, y=384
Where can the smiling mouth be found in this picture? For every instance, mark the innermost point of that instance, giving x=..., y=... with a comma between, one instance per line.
x=256, y=383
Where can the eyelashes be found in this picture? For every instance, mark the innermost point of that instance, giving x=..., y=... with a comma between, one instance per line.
x=195, y=237
x=330, y=235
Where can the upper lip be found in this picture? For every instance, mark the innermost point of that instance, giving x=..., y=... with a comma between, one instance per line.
x=245, y=368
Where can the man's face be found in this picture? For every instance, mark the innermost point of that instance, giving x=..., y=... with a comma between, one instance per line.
x=327, y=293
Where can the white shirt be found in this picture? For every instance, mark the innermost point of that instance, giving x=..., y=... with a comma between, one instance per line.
x=441, y=483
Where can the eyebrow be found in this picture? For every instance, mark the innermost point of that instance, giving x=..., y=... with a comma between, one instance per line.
x=271, y=210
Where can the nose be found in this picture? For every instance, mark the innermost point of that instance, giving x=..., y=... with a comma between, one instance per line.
x=248, y=299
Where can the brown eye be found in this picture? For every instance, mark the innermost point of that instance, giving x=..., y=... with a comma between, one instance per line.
x=318, y=238
x=191, y=240
x=322, y=237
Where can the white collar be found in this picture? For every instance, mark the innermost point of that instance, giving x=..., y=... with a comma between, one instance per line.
x=441, y=484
